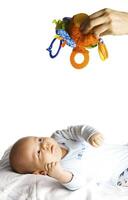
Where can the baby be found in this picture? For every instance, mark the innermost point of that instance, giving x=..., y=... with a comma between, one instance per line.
x=71, y=157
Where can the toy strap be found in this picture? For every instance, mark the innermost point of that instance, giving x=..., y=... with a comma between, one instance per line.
x=50, y=48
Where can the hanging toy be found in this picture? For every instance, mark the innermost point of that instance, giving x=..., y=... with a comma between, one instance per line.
x=68, y=33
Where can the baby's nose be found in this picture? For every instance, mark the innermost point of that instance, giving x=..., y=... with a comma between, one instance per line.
x=45, y=146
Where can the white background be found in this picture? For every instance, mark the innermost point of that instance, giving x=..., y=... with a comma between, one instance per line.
x=38, y=94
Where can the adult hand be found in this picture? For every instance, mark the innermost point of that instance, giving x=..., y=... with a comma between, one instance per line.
x=106, y=22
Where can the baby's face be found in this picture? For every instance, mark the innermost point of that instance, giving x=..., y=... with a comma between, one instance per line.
x=39, y=151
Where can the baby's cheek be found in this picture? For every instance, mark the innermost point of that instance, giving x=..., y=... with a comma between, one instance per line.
x=48, y=158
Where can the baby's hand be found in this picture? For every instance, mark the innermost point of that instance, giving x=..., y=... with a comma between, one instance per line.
x=96, y=140
x=53, y=169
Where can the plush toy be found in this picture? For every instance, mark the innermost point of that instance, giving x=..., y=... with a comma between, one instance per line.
x=68, y=32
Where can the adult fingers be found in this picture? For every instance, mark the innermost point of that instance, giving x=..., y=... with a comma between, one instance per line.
x=100, y=30
x=95, y=23
x=107, y=32
x=100, y=13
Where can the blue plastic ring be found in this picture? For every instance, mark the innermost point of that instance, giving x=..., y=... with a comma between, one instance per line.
x=50, y=48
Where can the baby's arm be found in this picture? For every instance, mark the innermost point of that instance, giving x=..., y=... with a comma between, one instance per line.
x=56, y=171
x=76, y=133
x=70, y=179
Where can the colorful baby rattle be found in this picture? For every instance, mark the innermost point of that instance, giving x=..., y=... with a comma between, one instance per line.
x=68, y=32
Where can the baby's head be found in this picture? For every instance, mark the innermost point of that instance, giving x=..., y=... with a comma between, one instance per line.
x=30, y=154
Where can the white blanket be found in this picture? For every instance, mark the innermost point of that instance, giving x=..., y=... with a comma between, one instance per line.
x=15, y=186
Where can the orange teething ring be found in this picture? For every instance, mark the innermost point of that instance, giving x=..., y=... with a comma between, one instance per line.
x=82, y=51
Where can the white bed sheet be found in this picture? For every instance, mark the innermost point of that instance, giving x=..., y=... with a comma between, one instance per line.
x=14, y=186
